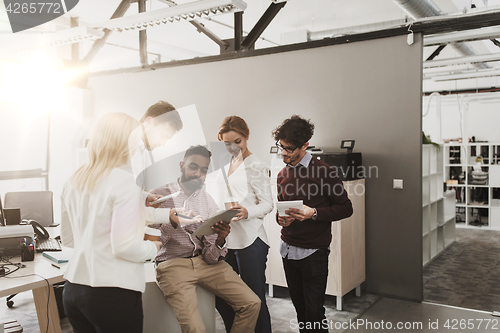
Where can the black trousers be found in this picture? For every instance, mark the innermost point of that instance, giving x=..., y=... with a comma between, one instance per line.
x=306, y=279
x=102, y=309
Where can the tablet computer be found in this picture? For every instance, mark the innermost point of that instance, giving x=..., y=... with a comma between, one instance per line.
x=285, y=205
x=224, y=215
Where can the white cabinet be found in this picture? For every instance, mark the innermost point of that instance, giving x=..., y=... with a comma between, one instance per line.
x=347, y=256
x=438, y=207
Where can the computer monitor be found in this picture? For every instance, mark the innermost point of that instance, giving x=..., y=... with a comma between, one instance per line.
x=2, y=215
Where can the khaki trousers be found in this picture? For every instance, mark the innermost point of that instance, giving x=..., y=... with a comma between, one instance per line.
x=178, y=278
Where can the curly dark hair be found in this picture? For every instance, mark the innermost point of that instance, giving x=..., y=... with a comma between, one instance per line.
x=295, y=131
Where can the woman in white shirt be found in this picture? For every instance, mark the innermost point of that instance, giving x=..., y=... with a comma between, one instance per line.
x=248, y=184
x=103, y=221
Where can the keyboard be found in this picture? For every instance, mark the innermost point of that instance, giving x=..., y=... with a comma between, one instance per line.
x=49, y=244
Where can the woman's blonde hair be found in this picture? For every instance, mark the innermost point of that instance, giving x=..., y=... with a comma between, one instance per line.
x=233, y=123
x=108, y=148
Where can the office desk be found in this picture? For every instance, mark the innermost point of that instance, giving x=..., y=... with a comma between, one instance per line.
x=17, y=282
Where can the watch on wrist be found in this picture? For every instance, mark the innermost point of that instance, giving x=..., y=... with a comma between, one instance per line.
x=315, y=215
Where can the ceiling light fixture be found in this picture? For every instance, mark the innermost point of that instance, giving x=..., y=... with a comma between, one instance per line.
x=68, y=36
x=185, y=12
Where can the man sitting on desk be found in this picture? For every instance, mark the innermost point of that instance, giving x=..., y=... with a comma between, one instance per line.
x=185, y=261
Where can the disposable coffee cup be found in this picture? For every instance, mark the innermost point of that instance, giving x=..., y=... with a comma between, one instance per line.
x=231, y=202
x=152, y=234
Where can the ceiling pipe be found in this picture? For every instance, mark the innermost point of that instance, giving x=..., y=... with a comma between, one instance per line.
x=427, y=8
x=420, y=8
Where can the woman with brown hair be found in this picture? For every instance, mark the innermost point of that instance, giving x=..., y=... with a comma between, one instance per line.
x=244, y=185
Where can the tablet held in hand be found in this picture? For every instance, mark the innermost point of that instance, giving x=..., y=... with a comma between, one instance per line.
x=205, y=228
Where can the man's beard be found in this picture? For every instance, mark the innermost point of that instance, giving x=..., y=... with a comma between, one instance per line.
x=191, y=184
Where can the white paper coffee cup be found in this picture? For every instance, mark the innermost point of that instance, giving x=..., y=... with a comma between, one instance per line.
x=230, y=203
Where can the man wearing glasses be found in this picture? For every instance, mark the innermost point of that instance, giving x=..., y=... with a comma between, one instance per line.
x=306, y=234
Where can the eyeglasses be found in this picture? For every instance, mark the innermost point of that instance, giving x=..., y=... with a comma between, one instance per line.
x=288, y=150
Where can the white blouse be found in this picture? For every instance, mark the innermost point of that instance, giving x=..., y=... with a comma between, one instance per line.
x=106, y=229
x=250, y=186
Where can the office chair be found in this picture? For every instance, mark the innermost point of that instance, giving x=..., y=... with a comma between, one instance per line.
x=35, y=205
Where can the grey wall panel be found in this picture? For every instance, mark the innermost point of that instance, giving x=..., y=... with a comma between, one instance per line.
x=367, y=91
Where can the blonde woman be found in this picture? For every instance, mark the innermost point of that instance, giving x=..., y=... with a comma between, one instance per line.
x=102, y=220
x=248, y=184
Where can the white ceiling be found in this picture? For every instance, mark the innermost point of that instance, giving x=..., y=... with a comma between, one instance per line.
x=182, y=41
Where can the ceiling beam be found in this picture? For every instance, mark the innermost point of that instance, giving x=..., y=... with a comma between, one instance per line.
x=452, y=23
x=434, y=26
x=494, y=41
x=238, y=30
x=262, y=24
x=446, y=70
x=464, y=75
x=98, y=44
x=204, y=30
x=464, y=91
x=143, y=38
x=436, y=52
x=463, y=36
x=463, y=60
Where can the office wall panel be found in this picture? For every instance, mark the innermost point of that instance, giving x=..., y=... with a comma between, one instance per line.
x=368, y=91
